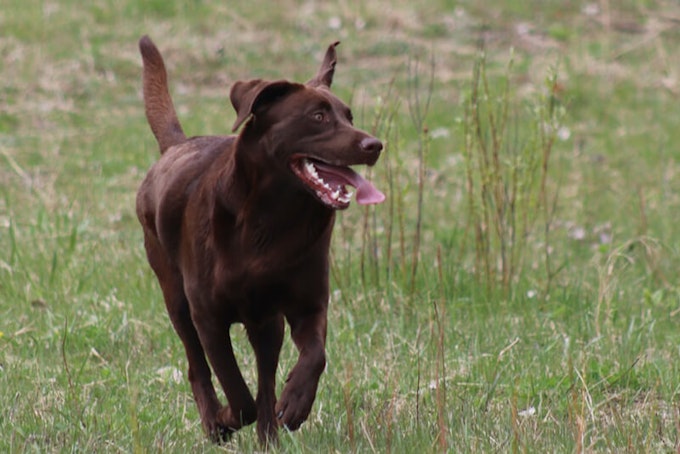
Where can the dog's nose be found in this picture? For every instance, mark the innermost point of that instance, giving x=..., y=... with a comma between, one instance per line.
x=371, y=145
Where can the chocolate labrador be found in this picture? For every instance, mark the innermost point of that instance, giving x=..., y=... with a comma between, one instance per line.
x=237, y=228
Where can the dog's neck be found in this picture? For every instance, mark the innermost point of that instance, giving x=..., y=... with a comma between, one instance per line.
x=271, y=205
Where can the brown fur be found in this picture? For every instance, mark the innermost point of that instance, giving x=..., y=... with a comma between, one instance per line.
x=233, y=235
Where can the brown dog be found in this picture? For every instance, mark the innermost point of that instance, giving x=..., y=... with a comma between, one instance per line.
x=237, y=229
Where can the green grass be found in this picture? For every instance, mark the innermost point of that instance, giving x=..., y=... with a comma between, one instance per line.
x=427, y=350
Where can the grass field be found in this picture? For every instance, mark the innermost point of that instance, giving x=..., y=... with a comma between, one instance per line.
x=517, y=291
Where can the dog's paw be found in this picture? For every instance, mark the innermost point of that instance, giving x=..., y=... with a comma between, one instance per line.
x=217, y=432
x=293, y=408
x=212, y=419
x=220, y=434
x=234, y=421
x=268, y=433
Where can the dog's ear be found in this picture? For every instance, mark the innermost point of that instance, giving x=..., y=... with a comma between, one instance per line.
x=247, y=97
x=325, y=75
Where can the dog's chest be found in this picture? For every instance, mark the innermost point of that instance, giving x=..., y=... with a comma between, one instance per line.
x=269, y=241
x=265, y=267
x=255, y=288
x=266, y=254
x=267, y=263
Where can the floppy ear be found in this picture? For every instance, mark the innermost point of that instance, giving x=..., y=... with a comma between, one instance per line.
x=325, y=75
x=247, y=97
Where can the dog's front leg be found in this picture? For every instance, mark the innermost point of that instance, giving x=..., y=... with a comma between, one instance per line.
x=266, y=339
x=309, y=334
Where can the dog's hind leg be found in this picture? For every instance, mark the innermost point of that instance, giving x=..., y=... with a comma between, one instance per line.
x=214, y=335
x=266, y=339
x=178, y=309
x=309, y=334
x=199, y=374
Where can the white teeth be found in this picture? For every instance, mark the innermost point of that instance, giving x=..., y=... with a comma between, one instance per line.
x=337, y=194
x=345, y=198
x=312, y=170
x=309, y=167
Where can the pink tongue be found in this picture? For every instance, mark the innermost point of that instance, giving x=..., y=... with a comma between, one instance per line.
x=367, y=194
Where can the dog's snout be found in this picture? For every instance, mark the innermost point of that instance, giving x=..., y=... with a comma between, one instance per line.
x=371, y=145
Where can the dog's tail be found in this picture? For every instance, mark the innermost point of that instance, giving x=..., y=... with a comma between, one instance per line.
x=160, y=111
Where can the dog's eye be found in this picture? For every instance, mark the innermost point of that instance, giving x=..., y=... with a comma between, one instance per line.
x=318, y=116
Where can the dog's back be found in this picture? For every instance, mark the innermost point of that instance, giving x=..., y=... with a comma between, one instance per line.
x=167, y=188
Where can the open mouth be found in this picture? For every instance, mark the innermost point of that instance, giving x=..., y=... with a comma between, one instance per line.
x=329, y=183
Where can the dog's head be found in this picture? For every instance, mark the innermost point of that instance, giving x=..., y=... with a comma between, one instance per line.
x=308, y=132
